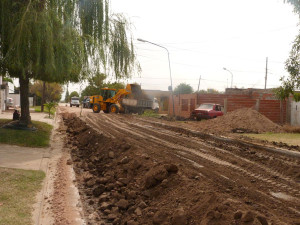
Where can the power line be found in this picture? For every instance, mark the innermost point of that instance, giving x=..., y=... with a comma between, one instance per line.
x=196, y=80
x=199, y=66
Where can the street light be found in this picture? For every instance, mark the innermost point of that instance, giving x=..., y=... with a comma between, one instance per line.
x=231, y=75
x=142, y=40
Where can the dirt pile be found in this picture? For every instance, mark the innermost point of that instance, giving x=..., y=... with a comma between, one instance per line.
x=114, y=182
x=244, y=120
x=120, y=183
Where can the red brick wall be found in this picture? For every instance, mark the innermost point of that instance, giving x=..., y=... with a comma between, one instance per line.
x=235, y=103
x=271, y=109
x=186, y=103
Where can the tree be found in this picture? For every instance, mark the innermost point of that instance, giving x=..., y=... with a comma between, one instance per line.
x=209, y=91
x=67, y=96
x=52, y=92
x=183, y=88
x=8, y=79
x=290, y=84
x=49, y=106
x=59, y=40
x=96, y=82
x=295, y=3
x=292, y=65
x=73, y=94
x=115, y=85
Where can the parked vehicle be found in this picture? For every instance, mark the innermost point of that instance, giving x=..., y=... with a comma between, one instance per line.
x=207, y=111
x=9, y=103
x=136, y=105
x=74, y=101
x=86, y=102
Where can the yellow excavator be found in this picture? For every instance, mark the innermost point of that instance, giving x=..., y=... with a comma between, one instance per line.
x=128, y=100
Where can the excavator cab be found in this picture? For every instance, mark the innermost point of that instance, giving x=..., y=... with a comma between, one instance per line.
x=107, y=93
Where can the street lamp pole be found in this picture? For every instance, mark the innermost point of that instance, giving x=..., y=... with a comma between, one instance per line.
x=142, y=40
x=231, y=75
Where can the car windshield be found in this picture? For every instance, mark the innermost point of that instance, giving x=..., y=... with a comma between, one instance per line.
x=206, y=106
x=75, y=99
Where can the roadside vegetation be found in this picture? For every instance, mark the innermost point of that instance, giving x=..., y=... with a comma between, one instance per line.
x=288, y=138
x=39, y=138
x=38, y=109
x=18, y=189
x=151, y=113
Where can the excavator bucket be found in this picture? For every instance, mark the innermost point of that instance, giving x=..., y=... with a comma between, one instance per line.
x=136, y=91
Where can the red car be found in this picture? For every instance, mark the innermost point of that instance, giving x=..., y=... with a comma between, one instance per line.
x=207, y=111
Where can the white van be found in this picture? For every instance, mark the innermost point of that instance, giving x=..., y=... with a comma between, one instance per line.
x=74, y=101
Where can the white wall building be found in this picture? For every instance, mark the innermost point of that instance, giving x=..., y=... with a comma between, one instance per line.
x=2, y=95
x=295, y=113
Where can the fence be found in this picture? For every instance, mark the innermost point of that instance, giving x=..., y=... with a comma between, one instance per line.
x=273, y=109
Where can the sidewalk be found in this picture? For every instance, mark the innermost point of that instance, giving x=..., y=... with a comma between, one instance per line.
x=12, y=156
x=17, y=157
x=47, y=160
x=37, y=116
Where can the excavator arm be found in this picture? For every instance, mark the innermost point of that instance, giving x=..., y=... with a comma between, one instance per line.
x=122, y=92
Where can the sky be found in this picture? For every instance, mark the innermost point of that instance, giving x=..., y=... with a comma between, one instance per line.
x=203, y=37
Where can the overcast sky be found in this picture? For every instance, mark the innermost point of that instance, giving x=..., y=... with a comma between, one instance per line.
x=203, y=37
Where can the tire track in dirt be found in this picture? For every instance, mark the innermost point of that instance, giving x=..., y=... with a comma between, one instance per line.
x=127, y=127
x=254, y=164
x=275, y=170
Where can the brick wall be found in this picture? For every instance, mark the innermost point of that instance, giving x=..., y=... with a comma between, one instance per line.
x=263, y=102
x=271, y=109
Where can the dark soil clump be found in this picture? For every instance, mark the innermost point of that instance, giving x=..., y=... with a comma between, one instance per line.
x=120, y=183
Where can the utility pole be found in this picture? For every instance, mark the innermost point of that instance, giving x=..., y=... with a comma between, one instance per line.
x=266, y=77
x=199, y=83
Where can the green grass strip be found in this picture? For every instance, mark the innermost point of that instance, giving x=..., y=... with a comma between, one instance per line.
x=38, y=138
x=288, y=138
x=18, y=189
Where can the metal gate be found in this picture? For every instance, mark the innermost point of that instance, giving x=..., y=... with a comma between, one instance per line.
x=295, y=113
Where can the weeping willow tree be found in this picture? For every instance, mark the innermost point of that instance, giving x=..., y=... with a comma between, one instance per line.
x=60, y=41
x=295, y=3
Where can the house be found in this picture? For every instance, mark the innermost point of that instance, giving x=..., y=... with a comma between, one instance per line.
x=4, y=89
x=264, y=101
x=162, y=98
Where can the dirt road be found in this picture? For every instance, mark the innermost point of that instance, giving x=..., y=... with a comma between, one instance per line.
x=136, y=170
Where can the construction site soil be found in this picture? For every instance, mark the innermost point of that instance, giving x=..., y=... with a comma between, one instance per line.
x=245, y=120
x=134, y=170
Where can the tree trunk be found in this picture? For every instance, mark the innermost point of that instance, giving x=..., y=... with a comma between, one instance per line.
x=43, y=96
x=25, y=118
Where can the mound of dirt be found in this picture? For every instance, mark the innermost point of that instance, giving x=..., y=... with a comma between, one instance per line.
x=245, y=120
